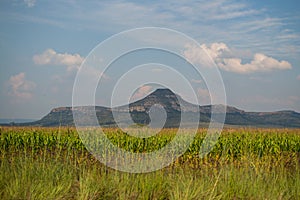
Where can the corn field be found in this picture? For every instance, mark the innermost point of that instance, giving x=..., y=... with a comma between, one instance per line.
x=53, y=163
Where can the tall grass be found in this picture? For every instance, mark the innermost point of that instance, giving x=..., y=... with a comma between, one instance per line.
x=50, y=163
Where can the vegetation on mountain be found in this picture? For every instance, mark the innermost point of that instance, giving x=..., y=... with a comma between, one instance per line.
x=171, y=102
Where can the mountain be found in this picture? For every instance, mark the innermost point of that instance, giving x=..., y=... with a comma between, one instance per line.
x=174, y=106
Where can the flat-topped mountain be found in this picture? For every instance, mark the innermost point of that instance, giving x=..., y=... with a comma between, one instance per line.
x=173, y=105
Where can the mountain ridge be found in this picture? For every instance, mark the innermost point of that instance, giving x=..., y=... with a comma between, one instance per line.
x=173, y=105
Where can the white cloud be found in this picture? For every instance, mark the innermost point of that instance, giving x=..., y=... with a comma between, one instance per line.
x=21, y=88
x=225, y=60
x=215, y=50
x=204, y=54
x=195, y=54
x=49, y=56
x=260, y=63
x=298, y=77
x=30, y=3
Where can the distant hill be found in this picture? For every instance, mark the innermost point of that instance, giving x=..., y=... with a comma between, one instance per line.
x=6, y=121
x=139, y=112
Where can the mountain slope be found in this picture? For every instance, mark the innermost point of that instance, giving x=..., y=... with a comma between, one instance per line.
x=139, y=112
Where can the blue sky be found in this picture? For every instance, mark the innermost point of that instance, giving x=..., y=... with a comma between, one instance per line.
x=255, y=44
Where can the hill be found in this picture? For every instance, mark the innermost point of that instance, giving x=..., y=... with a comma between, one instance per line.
x=139, y=111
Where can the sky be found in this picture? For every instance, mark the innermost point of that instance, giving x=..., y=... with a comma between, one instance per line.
x=255, y=45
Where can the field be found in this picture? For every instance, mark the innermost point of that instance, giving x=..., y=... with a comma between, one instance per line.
x=52, y=163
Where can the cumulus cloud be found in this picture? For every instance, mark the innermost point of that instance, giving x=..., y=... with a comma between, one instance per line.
x=260, y=63
x=30, y=3
x=216, y=50
x=49, y=56
x=20, y=88
x=196, y=55
x=225, y=59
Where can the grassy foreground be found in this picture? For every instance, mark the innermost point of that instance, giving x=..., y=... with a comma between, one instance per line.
x=40, y=163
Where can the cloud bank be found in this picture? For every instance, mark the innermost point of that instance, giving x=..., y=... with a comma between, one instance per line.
x=51, y=57
x=225, y=59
